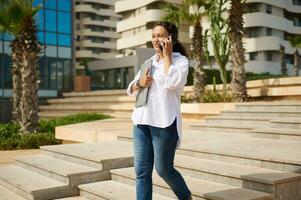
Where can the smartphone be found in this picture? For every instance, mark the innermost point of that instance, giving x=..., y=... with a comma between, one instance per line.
x=161, y=48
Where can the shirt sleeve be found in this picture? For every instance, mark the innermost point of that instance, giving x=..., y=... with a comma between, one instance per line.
x=176, y=76
x=130, y=85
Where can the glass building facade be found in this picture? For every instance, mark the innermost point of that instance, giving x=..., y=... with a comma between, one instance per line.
x=55, y=33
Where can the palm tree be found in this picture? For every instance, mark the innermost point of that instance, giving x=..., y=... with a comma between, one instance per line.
x=17, y=19
x=218, y=33
x=296, y=42
x=177, y=14
x=237, y=52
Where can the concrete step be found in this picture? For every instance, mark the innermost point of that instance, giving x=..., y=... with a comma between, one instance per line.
x=293, y=123
x=277, y=133
x=229, y=121
x=252, y=113
x=31, y=185
x=6, y=194
x=126, y=106
x=96, y=93
x=242, y=149
x=73, y=198
x=100, y=155
x=61, y=170
x=254, y=178
x=95, y=131
x=113, y=190
x=58, y=114
x=279, y=107
x=91, y=99
x=201, y=189
x=226, y=127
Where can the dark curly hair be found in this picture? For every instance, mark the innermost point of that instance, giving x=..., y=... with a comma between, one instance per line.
x=172, y=29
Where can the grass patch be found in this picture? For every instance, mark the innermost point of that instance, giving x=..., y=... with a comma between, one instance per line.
x=12, y=139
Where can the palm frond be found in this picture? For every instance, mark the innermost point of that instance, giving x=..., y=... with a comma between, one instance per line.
x=172, y=13
x=295, y=41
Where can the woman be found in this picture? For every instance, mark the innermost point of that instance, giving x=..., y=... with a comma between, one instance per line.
x=157, y=125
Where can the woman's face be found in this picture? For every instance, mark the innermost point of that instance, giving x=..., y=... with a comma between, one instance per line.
x=159, y=33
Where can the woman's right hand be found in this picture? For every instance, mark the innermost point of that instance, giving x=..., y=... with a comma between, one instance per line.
x=146, y=81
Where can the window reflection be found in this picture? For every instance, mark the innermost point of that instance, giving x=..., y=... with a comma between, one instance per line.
x=50, y=4
x=51, y=20
x=64, y=40
x=64, y=5
x=64, y=22
x=51, y=38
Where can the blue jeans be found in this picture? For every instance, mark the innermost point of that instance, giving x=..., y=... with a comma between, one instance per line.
x=157, y=145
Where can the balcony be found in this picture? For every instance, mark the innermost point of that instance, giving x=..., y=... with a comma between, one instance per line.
x=287, y=5
x=105, y=34
x=106, y=2
x=91, y=54
x=105, y=45
x=259, y=19
x=91, y=9
x=140, y=20
x=128, y=5
x=107, y=23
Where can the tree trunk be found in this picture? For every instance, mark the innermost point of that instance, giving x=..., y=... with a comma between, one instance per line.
x=198, y=57
x=223, y=72
x=283, y=62
x=296, y=62
x=16, y=79
x=237, y=57
x=29, y=77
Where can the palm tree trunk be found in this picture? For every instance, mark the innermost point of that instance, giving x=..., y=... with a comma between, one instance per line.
x=223, y=72
x=16, y=79
x=296, y=62
x=29, y=77
x=283, y=62
x=198, y=57
x=237, y=57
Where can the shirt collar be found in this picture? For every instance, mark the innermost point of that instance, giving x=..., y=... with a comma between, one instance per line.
x=174, y=54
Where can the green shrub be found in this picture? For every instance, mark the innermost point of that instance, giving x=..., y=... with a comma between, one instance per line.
x=49, y=125
x=213, y=96
x=11, y=138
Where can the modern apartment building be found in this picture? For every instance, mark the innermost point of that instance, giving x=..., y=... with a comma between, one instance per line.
x=269, y=24
x=138, y=19
x=95, y=30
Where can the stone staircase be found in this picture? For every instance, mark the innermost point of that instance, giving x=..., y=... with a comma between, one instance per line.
x=252, y=153
x=112, y=102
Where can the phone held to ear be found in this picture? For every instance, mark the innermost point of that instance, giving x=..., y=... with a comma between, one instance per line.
x=161, y=48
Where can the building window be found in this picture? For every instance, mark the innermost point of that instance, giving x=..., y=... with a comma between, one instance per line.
x=64, y=26
x=253, y=32
x=297, y=2
x=64, y=5
x=253, y=56
x=269, y=31
x=51, y=20
x=50, y=4
x=268, y=8
x=269, y=56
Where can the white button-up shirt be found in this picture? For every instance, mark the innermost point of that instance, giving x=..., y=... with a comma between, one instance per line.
x=163, y=104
